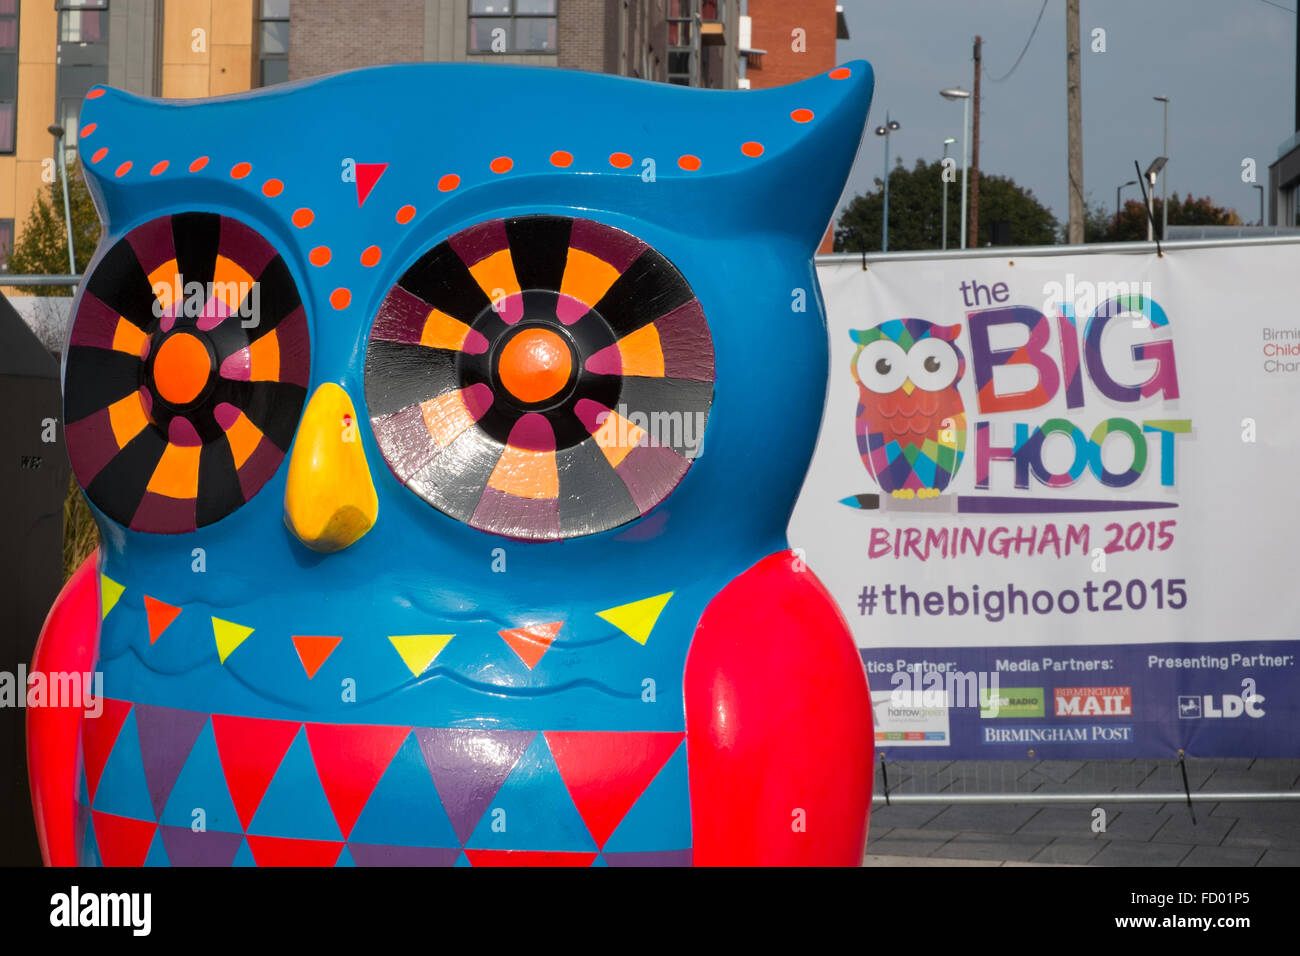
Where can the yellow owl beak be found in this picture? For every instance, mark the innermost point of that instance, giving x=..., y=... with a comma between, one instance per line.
x=330, y=500
x=908, y=387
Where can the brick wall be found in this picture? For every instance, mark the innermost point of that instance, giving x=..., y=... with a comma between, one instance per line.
x=581, y=32
x=326, y=36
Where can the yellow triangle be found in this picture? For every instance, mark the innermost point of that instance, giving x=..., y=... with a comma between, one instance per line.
x=109, y=593
x=637, y=619
x=229, y=635
x=419, y=650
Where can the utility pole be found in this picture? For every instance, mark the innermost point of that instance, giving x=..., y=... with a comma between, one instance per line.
x=973, y=239
x=1075, y=119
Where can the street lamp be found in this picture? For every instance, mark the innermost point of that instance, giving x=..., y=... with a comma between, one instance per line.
x=957, y=93
x=1164, y=180
x=889, y=127
x=56, y=131
x=1118, y=190
x=1152, y=172
x=943, y=174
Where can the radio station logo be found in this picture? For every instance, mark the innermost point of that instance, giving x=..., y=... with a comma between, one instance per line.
x=1094, y=701
x=1011, y=702
x=1198, y=706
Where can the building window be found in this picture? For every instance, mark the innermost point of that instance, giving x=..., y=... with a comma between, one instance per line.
x=83, y=21
x=512, y=26
x=8, y=74
x=273, y=43
x=6, y=242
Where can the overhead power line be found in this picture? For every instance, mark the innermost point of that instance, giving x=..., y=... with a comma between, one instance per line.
x=1041, y=10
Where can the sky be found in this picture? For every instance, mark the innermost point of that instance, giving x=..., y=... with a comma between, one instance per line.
x=1227, y=66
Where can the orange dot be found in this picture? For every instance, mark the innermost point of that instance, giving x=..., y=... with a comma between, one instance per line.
x=405, y=214
x=272, y=187
x=802, y=116
x=160, y=167
x=181, y=368
x=843, y=73
x=620, y=160
x=751, y=148
x=99, y=154
x=96, y=93
x=689, y=163
x=88, y=129
x=123, y=169
x=240, y=170
x=302, y=218
x=534, y=365
x=502, y=164
x=561, y=158
x=449, y=182
x=319, y=256
x=340, y=298
x=370, y=256
x=198, y=164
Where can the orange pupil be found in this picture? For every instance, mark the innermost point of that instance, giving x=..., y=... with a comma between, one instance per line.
x=181, y=369
x=534, y=365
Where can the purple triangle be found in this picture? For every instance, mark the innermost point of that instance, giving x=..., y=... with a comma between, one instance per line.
x=166, y=738
x=468, y=768
x=650, y=858
x=373, y=854
x=185, y=847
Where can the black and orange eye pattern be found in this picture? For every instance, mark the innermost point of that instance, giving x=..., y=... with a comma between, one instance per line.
x=186, y=374
x=540, y=377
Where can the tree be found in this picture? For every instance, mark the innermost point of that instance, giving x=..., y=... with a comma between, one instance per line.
x=916, y=212
x=42, y=246
x=1188, y=211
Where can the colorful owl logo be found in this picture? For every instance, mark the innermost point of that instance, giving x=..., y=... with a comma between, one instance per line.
x=911, y=423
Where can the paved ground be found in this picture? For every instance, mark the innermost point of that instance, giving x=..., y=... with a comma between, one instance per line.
x=1136, y=834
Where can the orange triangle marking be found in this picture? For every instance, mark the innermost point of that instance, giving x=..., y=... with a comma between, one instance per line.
x=313, y=651
x=160, y=616
x=531, y=642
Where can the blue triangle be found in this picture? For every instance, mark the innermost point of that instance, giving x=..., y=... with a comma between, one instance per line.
x=295, y=804
x=90, y=846
x=244, y=857
x=404, y=809
x=83, y=793
x=345, y=859
x=599, y=861
x=535, y=809
x=202, y=786
x=661, y=818
x=157, y=854
x=462, y=860
x=122, y=789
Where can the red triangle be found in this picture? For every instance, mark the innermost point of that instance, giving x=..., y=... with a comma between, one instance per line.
x=313, y=651
x=607, y=772
x=283, y=851
x=367, y=175
x=527, y=858
x=350, y=759
x=97, y=739
x=160, y=616
x=121, y=840
x=250, y=751
x=531, y=642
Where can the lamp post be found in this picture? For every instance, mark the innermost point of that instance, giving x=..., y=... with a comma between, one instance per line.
x=943, y=174
x=957, y=93
x=889, y=127
x=1154, y=170
x=1118, y=190
x=1164, y=179
x=56, y=131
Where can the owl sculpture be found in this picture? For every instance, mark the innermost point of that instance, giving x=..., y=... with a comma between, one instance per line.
x=911, y=423
x=423, y=413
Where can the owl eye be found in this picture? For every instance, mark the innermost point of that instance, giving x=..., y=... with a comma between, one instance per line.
x=932, y=364
x=186, y=373
x=540, y=377
x=882, y=366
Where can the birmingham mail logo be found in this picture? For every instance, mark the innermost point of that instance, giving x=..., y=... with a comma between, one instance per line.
x=1094, y=701
x=1197, y=706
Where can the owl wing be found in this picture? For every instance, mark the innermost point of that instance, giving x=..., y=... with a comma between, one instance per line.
x=67, y=645
x=777, y=710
